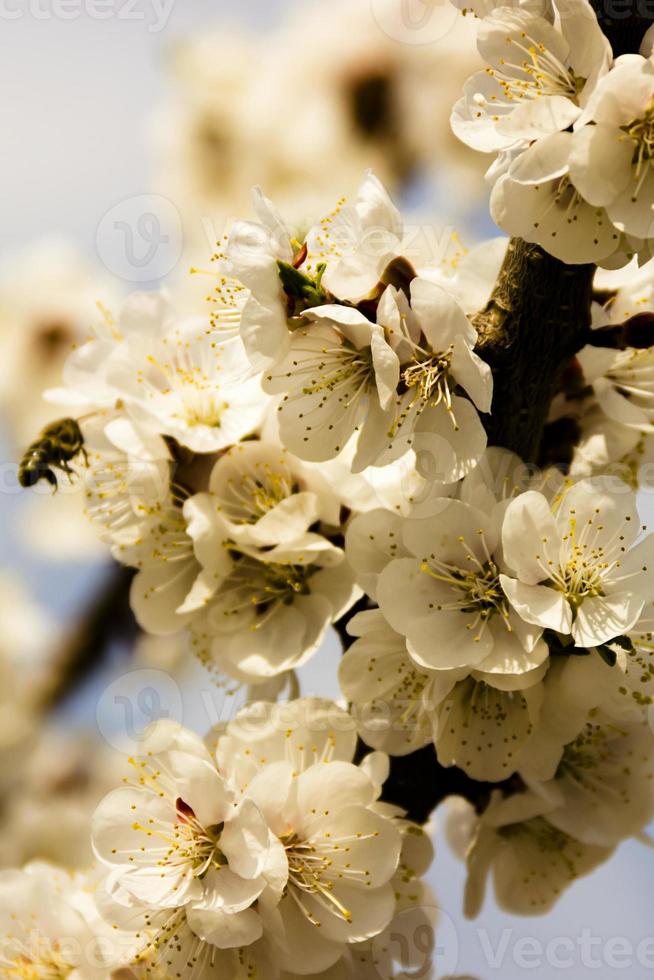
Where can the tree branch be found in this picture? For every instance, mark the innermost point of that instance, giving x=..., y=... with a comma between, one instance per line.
x=536, y=320
x=107, y=619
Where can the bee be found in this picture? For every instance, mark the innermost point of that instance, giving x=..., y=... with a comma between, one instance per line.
x=58, y=444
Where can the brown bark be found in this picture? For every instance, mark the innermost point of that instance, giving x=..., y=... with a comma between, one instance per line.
x=536, y=319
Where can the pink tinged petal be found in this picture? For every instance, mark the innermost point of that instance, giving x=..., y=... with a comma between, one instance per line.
x=538, y=604
x=600, y=163
x=441, y=318
x=530, y=537
x=226, y=930
x=605, y=617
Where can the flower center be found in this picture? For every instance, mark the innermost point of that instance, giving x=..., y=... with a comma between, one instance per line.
x=309, y=868
x=476, y=591
x=254, y=494
x=263, y=586
x=341, y=367
x=187, y=844
x=203, y=409
x=429, y=376
x=583, y=565
x=531, y=71
x=195, y=389
x=38, y=959
x=641, y=132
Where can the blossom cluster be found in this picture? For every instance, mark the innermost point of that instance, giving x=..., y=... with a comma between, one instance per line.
x=318, y=442
x=312, y=452
x=262, y=851
x=572, y=129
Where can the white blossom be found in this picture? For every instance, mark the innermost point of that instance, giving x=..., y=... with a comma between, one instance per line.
x=178, y=841
x=611, y=156
x=536, y=199
x=342, y=255
x=531, y=861
x=45, y=928
x=578, y=570
x=538, y=77
x=282, y=600
x=395, y=383
x=295, y=762
x=448, y=588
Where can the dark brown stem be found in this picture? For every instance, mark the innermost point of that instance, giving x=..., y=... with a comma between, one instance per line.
x=536, y=319
x=108, y=619
x=534, y=323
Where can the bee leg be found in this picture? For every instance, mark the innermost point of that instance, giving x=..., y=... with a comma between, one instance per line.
x=51, y=478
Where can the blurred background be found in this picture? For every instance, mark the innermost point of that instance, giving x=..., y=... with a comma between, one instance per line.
x=134, y=130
